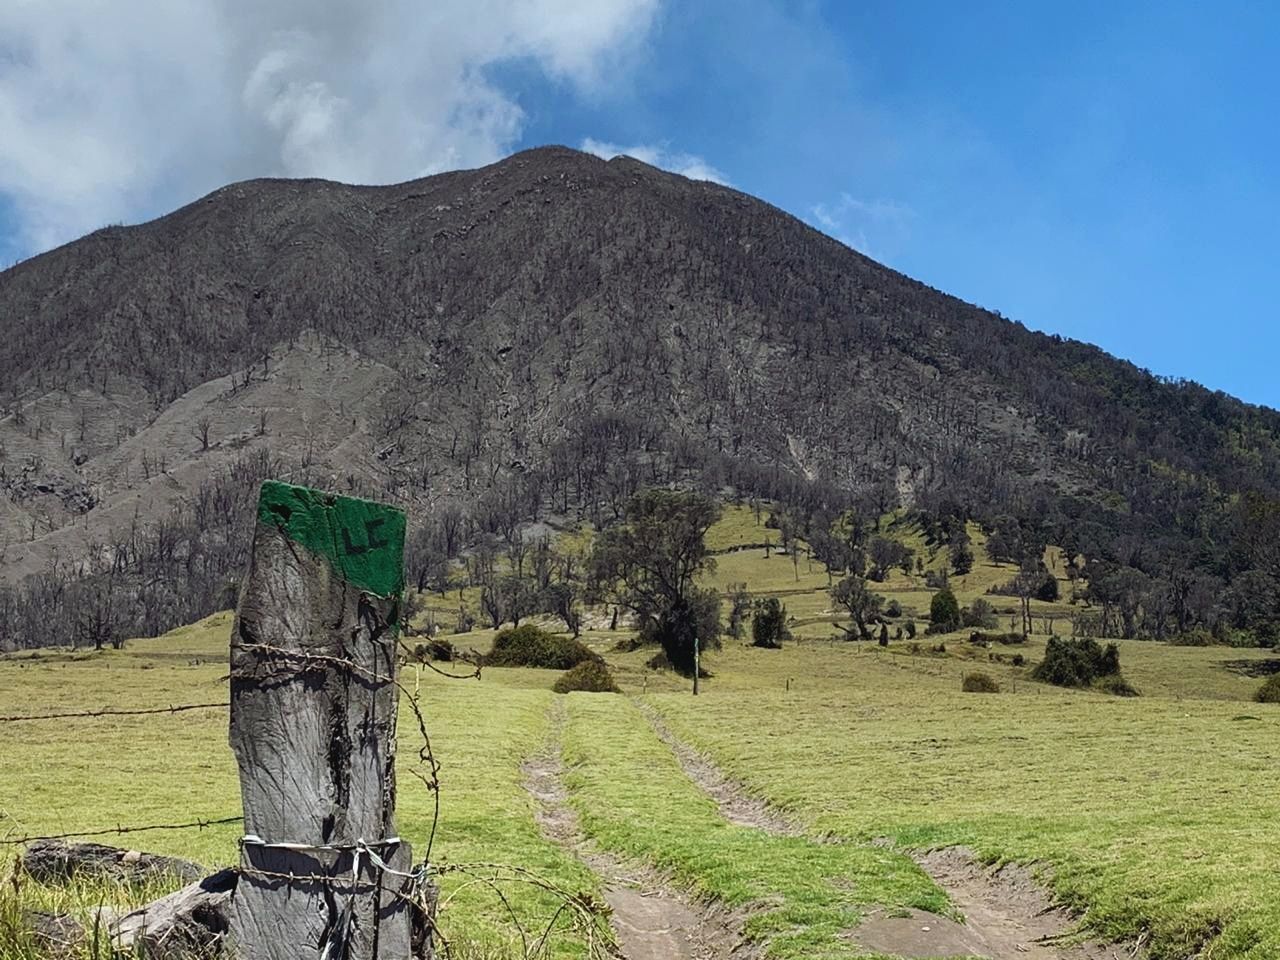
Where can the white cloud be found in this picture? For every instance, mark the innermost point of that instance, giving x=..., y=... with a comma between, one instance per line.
x=685, y=164
x=877, y=228
x=109, y=111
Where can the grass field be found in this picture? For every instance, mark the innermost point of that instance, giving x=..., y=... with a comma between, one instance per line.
x=1153, y=816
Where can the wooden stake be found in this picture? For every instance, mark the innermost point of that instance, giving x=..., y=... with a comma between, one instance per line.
x=313, y=728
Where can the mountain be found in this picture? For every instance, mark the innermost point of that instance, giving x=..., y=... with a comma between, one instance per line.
x=544, y=335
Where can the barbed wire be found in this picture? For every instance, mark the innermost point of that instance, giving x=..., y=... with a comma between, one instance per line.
x=193, y=824
x=587, y=917
x=113, y=712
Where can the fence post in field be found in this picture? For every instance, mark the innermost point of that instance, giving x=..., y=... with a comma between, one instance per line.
x=323, y=875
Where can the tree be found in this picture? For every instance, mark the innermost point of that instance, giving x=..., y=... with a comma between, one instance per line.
x=944, y=612
x=739, y=607
x=886, y=554
x=961, y=558
x=863, y=606
x=650, y=563
x=769, y=624
x=201, y=431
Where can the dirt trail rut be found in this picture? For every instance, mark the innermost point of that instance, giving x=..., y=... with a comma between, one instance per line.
x=1008, y=915
x=650, y=920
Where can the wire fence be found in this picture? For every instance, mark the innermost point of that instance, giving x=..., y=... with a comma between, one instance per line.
x=584, y=915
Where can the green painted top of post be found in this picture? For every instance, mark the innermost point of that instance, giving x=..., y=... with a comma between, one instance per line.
x=363, y=540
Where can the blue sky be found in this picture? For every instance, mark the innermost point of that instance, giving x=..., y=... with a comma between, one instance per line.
x=1103, y=171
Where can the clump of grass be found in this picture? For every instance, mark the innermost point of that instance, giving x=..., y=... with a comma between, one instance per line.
x=979, y=682
x=1269, y=692
x=590, y=676
x=40, y=920
x=530, y=646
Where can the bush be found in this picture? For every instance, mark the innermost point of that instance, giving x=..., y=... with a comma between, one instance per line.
x=893, y=609
x=1018, y=660
x=591, y=676
x=436, y=648
x=1006, y=639
x=935, y=580
x=979, y=682
x=1117, y=685
x=1269, y=692
x=530, y=646
x=911, y=629
x=1193, y=638
x=769, y=624
x=1082, y=663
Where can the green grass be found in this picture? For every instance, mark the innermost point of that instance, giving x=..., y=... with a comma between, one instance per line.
x=635, y=801
x=1155, y=814
x=60, y=776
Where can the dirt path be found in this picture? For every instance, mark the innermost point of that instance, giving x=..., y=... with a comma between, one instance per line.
x=650, y=920
x=1007, y=914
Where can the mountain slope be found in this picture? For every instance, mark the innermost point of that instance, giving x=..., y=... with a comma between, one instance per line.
x=554, y=330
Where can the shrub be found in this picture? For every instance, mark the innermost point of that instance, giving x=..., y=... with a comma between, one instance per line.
x=979, y=682
x=884, y=635
x=530, y=646
x=944, y=612
x=910, y=626
x=979, y=638
x=769, y=624
x=935, y=580
x=1019, y=660
x=1269, y=692
x=1081, y=663
x=591, y=676
x=893, y=609
x=1193, y=638
x=1117, y=685
x=437, y=648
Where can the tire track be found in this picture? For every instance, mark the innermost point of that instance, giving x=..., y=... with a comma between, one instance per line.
x=650, y=919
x=1008, y=914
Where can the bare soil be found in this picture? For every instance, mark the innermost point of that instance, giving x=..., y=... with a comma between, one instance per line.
x=1008, y=915
x=650, y=919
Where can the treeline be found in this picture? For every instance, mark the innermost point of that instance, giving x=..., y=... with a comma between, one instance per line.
x=153, y=577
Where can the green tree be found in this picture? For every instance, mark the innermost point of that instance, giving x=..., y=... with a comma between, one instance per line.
x=944, y=612
x=650, y=562
x=863, y=606
x=769, y=624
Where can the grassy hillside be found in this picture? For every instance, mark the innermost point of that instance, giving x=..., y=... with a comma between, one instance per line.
x=1151, y=816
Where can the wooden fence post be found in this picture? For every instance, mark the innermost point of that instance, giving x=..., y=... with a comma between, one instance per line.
x=323, y=874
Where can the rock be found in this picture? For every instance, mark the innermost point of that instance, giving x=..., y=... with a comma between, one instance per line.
x=56, y=934
x=54, y=862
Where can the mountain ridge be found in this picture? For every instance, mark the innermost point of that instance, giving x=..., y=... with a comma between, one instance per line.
x=568, y=328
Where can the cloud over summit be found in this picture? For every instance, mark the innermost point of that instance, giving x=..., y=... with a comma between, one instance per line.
x=109, y=110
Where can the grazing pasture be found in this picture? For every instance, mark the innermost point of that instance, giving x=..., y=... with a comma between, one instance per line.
x=1152, y=817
